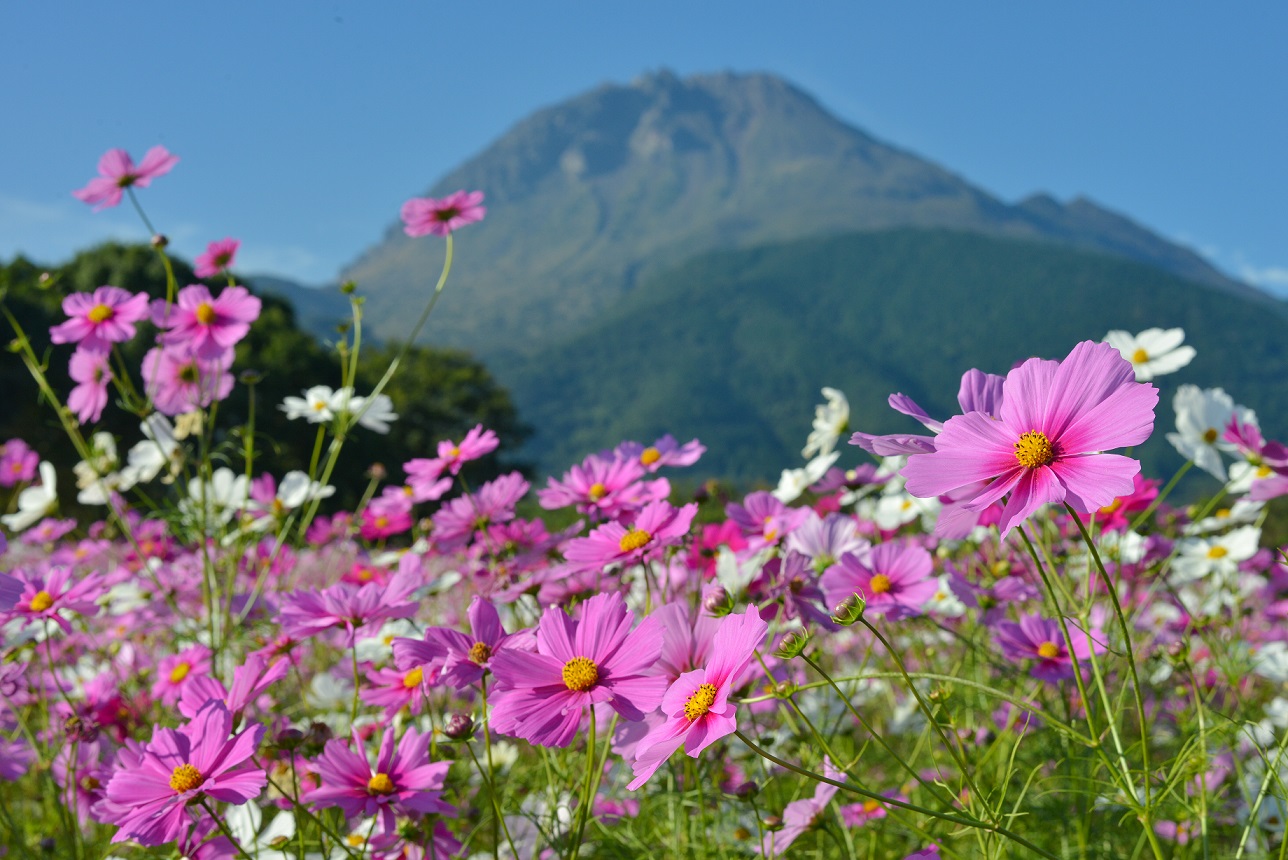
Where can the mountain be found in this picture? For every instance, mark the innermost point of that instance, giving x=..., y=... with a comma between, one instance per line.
x=589, y=198
x=733, y=346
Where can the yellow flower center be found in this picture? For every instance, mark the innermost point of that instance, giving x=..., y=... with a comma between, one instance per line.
x=1034, y=449
x=205, y=313
x=42, y=601
x=380, y=784
x=597, y=491
x=634, y=539
x=1264, y=471
x=456, y=451
x=185, y=778
x=649, y=456
x=179, y=672
x=99, y=313
x=1048, y=650
x=580, y=673
x=413, y=678
x=1218, y=552
x=870, y=806
x=880, y=584
x=1111, y=507
x=1139, y=357
x=480, y=653
x=1210, y=435
x=700, y=702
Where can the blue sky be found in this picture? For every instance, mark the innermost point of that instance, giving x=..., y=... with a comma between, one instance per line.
x=303, y=126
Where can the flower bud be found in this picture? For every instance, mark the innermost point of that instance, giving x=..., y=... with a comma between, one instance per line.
x=773, y=823
x=746, y=790
x=792, y=645
x=459, y=727
x=159, y=241
x=850, y=610
x=348, y=287
x=250, y=377
x=717, y=602
x=289, y=739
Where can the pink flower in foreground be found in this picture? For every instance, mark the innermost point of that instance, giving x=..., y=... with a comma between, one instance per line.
x=424, y=216
x=205, y=326
x=117, y=172
x=403, y=781
x=1055, y=418
x=89, y=370
x=180, y=767
x=99, y=319
x=217, y=258
x=696, y=708
x=596, y=659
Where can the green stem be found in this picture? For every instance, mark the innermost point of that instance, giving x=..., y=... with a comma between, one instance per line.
x=587, y=797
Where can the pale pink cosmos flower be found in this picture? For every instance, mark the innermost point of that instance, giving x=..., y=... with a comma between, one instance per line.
x=203, y=759
x=205, y=326
x=178, y=382
x=1044, y=446
x=696, y=708
x=99, y=319
x=117, y=172
x=424, y=216
x=596, y=659
x=403, y=780
x=217, y=258
x=90, y=371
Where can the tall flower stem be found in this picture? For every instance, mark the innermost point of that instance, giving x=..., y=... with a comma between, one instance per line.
x=891, y=801
x=587, y=793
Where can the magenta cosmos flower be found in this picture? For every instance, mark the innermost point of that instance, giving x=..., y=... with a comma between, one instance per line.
x=424, y=216
x=597, y=659
x=204, y=326
x=99, y=319
x=1041, y=640
x=461, y=660
x=90, y=371
x=117, y=171
x=180, y=767
x=402, y=781
x=896, y=579
x=658, y=526
x=48, y=594
x=1055, y=418
x=696, y=709
x=217, y=258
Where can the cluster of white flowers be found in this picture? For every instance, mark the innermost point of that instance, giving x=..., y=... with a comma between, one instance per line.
x=322, y=405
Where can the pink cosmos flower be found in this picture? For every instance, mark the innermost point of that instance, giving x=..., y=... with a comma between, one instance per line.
x=17, y=463
x=460, y=660
x=696, y=708
x=477, y=443
x=658, y=526
x=204, y=326
x=424, y=216
x=358, y=610
x=179, y=767
x=458, y=520
x=596, y=659
x=664, y=452
x=385, y=516
x=425, y=479
x=765, y=520
x=179, y=383
x=117, y=172
x=1055, y=418
x=1116, y=516
x=896, y=579
x=979, y=392
x=403, y=781
x=100, y=319
x=48, y=594
x=89, y=370
x=1041, y=640
x=217, y=258
x=176, y=672
x=801, y=815
x=250, y=679
x=395, y=689
x=608, y=486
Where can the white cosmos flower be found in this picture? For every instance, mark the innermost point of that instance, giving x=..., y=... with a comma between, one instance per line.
x=35, y=501
x=224, y=494
x=830, y=420
x=244, y=821
x=159, y=449
x=316, y=406
x=793, y=482
x=374, y=414
x=1153, y=352
x=294, y=490
x=1216, y=557
x=1201, y=418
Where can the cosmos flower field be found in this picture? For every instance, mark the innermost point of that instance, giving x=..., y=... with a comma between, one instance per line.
x=990, y=636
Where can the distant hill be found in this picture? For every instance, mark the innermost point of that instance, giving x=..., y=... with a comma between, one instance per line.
x=593, y=197
x=318, y=310
x=733, y=346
